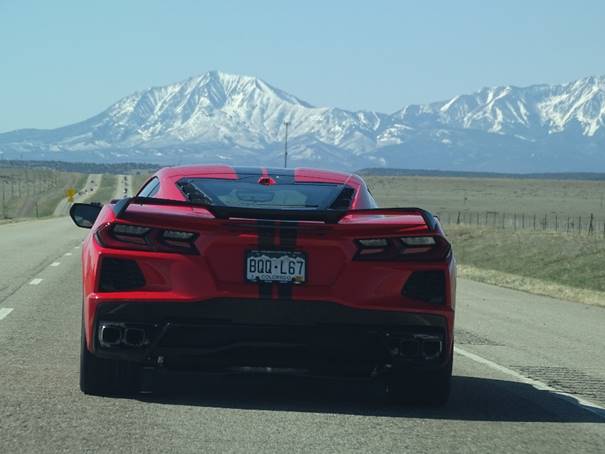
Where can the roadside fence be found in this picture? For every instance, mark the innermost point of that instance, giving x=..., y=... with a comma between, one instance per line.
x=588, y=225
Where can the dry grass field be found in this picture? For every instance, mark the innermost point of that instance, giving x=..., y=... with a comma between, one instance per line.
x=138, y=178
x=33, y=192
x=569, y=265
x=510, y=195
x=561, y=265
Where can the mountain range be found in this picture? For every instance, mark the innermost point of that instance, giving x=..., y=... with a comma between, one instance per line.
x=219, y=117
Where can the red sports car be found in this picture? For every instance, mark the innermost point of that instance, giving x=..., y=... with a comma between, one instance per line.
x=252, y=270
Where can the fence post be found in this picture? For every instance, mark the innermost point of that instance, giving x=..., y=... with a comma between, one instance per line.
x=579, y=224
x=590, y=226
x=458, y=220
x=515, y=221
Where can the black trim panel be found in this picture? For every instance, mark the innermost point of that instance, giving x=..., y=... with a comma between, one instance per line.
x=317, y=338
x=256, y=311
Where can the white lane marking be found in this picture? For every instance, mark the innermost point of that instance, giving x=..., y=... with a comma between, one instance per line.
x=76, y=247
x=55, y=263
x=5, y=311
x=35, y=281
x=583, y=403
x=67, y=254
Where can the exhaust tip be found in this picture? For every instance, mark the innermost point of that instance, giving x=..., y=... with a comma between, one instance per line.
x=134, y=337
x=110, y=335
x=431, y=349
x=113, y=334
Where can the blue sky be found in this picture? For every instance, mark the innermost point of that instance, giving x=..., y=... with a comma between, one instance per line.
x=63, y=61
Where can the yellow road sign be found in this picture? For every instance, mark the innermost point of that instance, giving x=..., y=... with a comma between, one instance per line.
x=70, y=193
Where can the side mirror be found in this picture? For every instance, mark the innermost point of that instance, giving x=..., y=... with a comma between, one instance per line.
x=85, y=214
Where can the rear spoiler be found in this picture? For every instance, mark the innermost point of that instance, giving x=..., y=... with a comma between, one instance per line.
x=225, y=212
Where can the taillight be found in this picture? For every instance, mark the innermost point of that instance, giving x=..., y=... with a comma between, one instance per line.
x=138, y=237
x=421, y=248
x=135, y=234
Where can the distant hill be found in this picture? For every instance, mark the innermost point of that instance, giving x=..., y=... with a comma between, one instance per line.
x=592, y=176
x=131, y=167
x=82, y=167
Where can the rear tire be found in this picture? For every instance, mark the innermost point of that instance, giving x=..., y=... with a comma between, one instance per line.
x=421, y=387
x=105, y=377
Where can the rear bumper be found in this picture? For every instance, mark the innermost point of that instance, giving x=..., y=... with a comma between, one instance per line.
x=300, y=337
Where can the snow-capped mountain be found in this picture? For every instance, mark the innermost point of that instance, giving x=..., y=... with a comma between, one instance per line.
x=240, y=119
x=531, y=112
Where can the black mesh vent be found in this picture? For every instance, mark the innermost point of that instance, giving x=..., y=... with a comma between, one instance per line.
x=120, y=274
x=428, y=286
x=344, y=199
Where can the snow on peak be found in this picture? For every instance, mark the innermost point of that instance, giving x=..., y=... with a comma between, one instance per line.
x=230, y=113
x=535, y=111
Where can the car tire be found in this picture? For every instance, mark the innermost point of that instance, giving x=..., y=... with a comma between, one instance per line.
x=420, y=387
x=106, y=377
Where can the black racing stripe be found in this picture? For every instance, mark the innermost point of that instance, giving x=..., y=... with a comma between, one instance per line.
x=266, y=235
x=254, y=173
x=288, y=233
x=265, y=229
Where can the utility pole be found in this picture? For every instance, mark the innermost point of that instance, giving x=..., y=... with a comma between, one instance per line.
x=3, y=184
x=287, y=123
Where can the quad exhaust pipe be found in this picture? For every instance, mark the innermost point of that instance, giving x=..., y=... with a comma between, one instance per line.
x=431, y=348
x=112, y=335
x=425, y=346
x=134, y=337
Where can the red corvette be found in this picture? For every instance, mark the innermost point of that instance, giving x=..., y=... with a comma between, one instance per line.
x=242, y=270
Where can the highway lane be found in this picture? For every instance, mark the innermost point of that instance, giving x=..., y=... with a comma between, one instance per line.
x=42, y=410
x=123, y=186
x=27, y=247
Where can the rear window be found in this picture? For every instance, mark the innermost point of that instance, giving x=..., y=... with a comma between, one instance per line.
x=247, y=192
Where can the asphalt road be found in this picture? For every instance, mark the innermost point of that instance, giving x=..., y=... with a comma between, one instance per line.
x=513, y=349
x=123, y=187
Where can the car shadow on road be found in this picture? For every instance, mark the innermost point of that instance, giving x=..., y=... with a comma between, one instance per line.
x=472, y=399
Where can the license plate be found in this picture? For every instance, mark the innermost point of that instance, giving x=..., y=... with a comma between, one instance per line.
x=288, y=267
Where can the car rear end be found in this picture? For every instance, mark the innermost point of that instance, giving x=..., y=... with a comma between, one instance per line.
x=278, y=288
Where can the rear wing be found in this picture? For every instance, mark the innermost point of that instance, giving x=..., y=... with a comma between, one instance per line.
x=225, y=212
